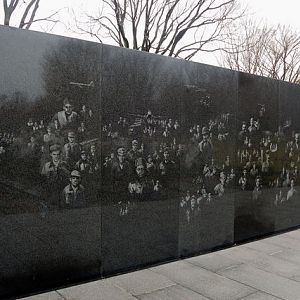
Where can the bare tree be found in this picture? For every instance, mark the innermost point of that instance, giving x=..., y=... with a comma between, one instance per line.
x=28, y=11
x=264, y=50
x=178, y=28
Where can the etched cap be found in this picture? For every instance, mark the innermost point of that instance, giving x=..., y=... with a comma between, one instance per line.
x=71, y=134
x=54, y=147
x=75, y=173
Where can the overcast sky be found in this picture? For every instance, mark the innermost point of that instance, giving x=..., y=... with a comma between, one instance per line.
x=273, y=11
x=276, y=11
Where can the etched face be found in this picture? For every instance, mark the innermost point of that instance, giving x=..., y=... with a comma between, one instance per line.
x=166, y=155
x=140, y=171
x=193, y=202
x=205, y=137
x=71, y=139
x=121, y=151
x=55, y=155
x=68, y=108
x=75, y=181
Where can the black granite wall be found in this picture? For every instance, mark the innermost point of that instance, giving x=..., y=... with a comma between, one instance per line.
x=113, y=159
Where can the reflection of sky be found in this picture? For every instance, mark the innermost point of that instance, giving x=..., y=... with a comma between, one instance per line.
x=20, y=64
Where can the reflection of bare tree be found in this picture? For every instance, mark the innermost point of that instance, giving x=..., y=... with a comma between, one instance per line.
x=71, y=62
x=13, y=107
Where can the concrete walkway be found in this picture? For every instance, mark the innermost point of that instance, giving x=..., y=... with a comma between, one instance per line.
x=262, y=270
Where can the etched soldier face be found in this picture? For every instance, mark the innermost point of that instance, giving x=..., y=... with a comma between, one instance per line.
x=68, y=108
x=292, y=183
x=134, y=146
x=75, y=181
x=140, y=171
x=121, y=152
x=166, y=155
x=222, y=176
x=193, y=202
x=71, y=139
x=257, y=182
x=182, y=202
x=55, y=155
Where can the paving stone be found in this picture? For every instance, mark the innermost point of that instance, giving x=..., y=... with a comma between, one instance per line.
x=98, y=290
x=213, y=261
x=295, y=234
x=264, y=247
x=290, y=255
x=284, y=241
x=204, y=282
x=175, y=292
x=264, y=261
x=46, y=296
x=260, y=296
x=296, y=278
x=264, y=281
x=141, y=282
